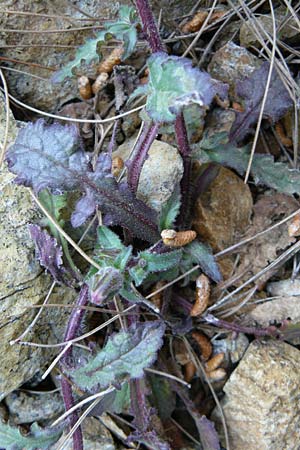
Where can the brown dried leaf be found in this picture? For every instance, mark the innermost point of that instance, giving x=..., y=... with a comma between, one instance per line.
x=204, y=344
x=84, y=87
x=195, y=23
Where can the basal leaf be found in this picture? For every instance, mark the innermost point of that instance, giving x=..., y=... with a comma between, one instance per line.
x=170, y=211
x=264, y=170
x=123, y=29
x=87, y=52
x=175, y=83
x=201, y=254
x=107, y=239
x=11, y=437
x=125, y=356
x=51, y=156
x=252, y=91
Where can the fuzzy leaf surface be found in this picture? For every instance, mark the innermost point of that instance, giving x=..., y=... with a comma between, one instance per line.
x=11, y=437
x=48, y=252
x=166, y=96
x=201, y=254
x=51, y=156
x=125, y=356
x=105, y=284
x=170, y=211
x=107, y=239
x=264, y=170
x=123, y=29
x=252, y=90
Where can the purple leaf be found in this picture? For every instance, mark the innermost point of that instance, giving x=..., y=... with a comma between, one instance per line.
x=48, y=252
x=252, y=90
x=208, y=434
x=51, y=156
x=104, y=284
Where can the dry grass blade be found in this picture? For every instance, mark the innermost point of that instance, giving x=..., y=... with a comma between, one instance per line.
x=7, y=111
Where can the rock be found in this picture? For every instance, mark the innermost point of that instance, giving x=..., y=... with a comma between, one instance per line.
x=22, y=284
x=261, y=403
x=232, y=63
x=276, y=310
x=49, y=51
x=160, y=174
x=222, y=212
x=96, y=437
x=25, y=407
x=284, y=287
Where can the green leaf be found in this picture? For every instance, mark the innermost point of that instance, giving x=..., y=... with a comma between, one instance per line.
x=125, y=356
x=105, y=284
x=157, y=262
x=107, y=239
x=167, y=96
x=121, y=402
x=54, y=204
x=123, y=258
x=201, y=254
x=11, y=437
x=170, y=211
x=264, y=170
x=133, y=296
x=123, y=29
x=163, y=397
x=138, y=274
x=87, y=52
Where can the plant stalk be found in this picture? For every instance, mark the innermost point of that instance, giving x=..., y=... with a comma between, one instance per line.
x=140, y=155
x=149, y=25
x=71, y=332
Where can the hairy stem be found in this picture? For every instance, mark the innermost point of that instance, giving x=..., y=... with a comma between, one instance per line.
x=71, y=331
x=140, y=155
x=269, y=331
x=184, y=218
x=149, y=25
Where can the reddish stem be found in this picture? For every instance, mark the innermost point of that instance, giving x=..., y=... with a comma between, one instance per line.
x=141, y=152
x=149, y=25
x=72, y=329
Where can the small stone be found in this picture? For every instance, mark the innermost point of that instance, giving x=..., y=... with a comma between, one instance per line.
x=232, y=63
x=26, y=407
x=95, y=437
x=261, y=403
x=160, y=174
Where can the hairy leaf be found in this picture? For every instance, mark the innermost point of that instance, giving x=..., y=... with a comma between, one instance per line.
x=166, y=96
x=163, y=396
x=52, y=157
x=264, y=170
x=252, y=90
x=107, y=239
x=12, y=438
x=201, y=254
x=125, y=356
x=54, y=205
x=170, y=211
x=105, y=284
x=123, y=29
x=129, y=293
x=121, y=402
x=48, y=252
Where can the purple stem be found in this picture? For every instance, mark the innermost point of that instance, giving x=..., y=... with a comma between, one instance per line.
x=72, y=329
x=149, y=25
x=270, y=331
x=141, y=152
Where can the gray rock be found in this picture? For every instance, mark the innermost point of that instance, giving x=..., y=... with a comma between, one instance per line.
x=44, y=49
x=27, y=407
x=160, y=174
x=22, y=285
x=95, y=437
x=232, y=63
x=261, y=403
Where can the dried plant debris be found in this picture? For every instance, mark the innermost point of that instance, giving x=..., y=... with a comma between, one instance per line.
x=268, y=210
x=252, y=91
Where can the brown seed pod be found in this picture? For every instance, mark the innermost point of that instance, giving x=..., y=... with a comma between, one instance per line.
x=195, y=23
x=204, y=344
x=112, y=60
x=117, y=166
x=217, y=375
x=189, y=371
x=237, y=107
x=100, y=82
x=85, y=88
x=284, y=139
x=202, y=296
x=214, y=362
x=174, y=238
x=294, y=227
